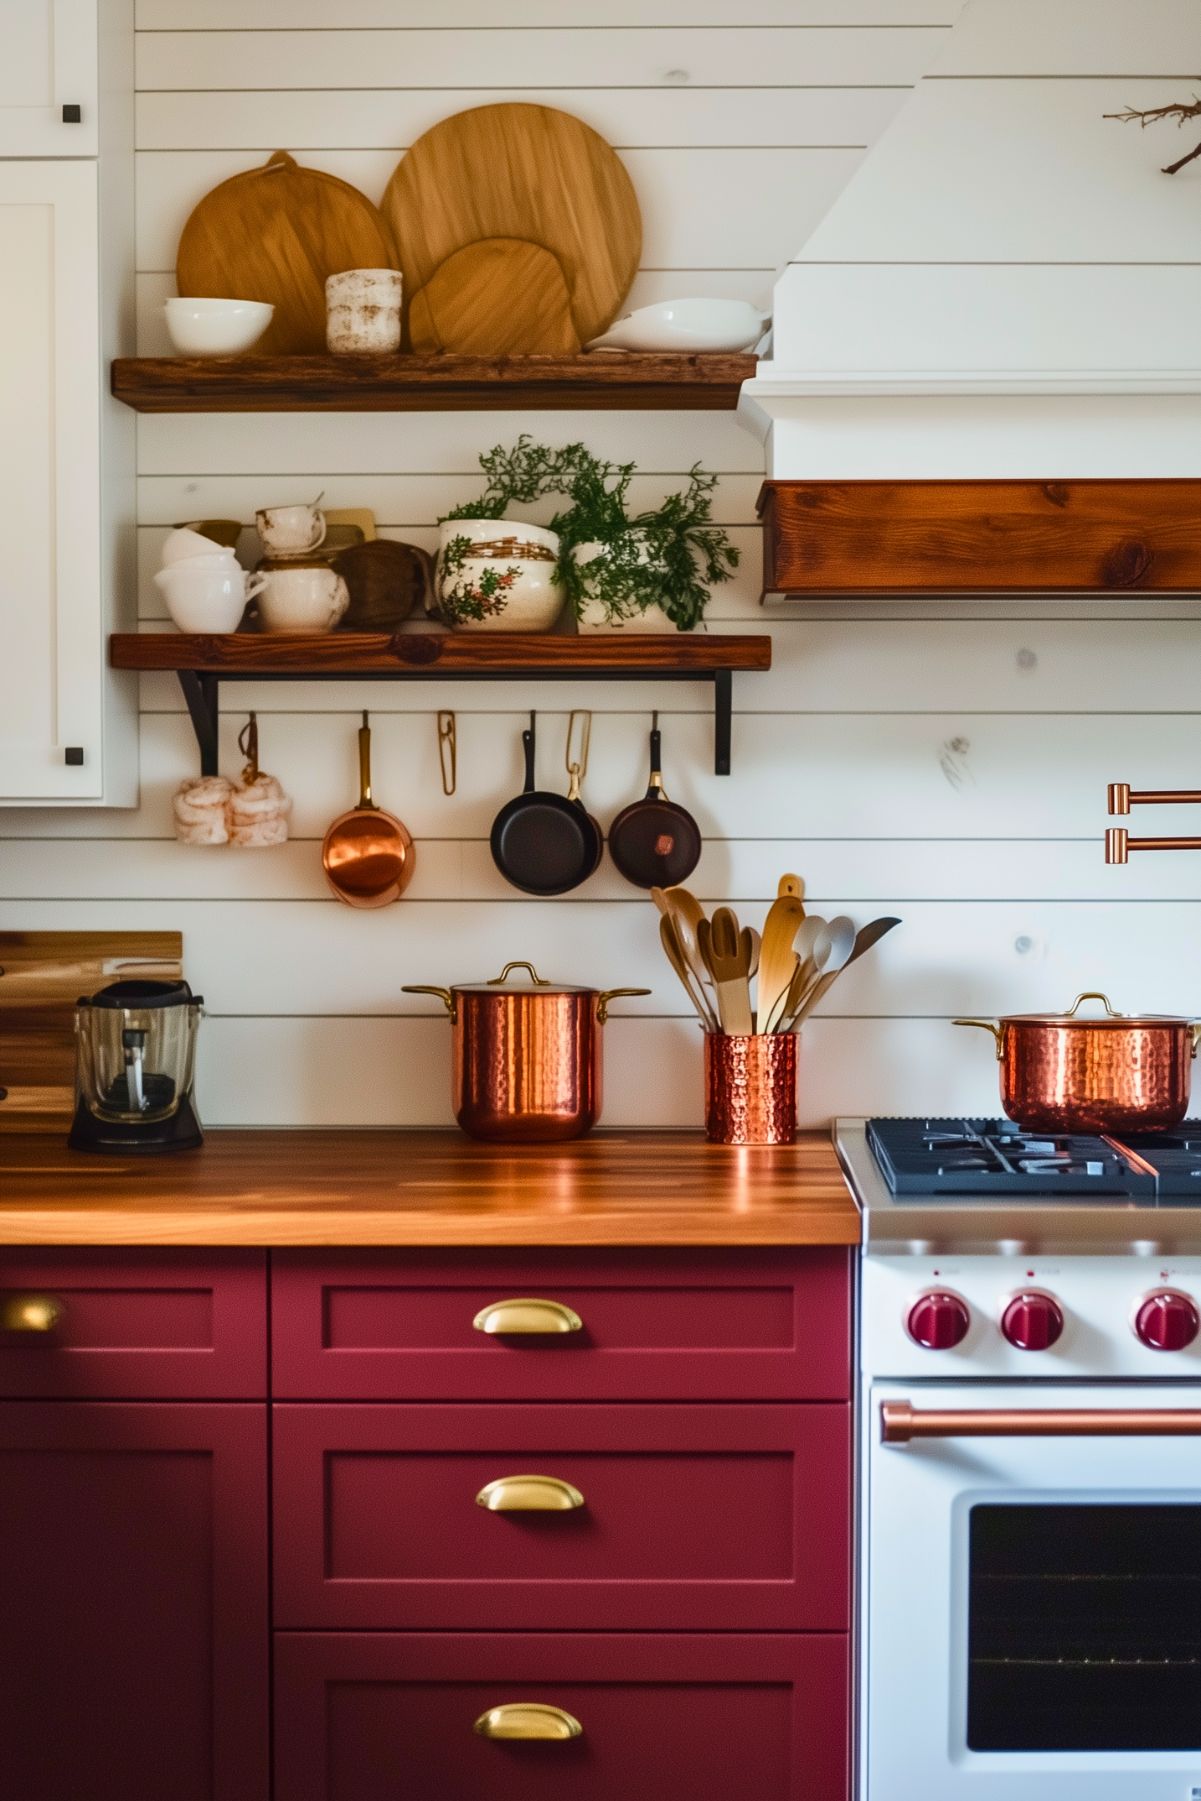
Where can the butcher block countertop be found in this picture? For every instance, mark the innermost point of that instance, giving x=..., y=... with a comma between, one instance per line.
x=427, y=1188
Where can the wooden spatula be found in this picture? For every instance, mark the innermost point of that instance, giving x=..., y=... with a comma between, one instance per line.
x=777, y=958
x=728, y=955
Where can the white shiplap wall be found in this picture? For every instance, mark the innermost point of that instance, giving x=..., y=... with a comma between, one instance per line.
x=944, y=763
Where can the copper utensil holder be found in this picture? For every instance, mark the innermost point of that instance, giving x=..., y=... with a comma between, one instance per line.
x=750, y=1087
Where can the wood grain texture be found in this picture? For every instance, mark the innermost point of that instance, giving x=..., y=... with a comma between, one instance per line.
x=954, y=537
x=42, y=975
x=402, y=384
x=424, y=653
x=428, y=1188
x=274, y=234
x=500, y=297
x=527, y=172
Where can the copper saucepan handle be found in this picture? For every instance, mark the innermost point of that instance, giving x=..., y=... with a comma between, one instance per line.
x=443, y=994
x=365, y=799
x=614, y=994
x=985, y=1025
x=901, y=1422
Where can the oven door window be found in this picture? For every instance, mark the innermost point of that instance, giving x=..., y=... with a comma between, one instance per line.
x=1084, y=1628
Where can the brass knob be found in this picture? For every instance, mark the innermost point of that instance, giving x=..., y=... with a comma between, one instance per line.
x=528, y=1720
x=502, y=1318
x=30, y=1313
x=529, y=1494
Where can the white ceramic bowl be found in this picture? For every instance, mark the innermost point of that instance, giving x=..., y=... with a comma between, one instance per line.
x=199, y=327
x=696, y=325
x=182, y=544
x=206, y=595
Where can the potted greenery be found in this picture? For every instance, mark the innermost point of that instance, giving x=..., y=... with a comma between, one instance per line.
x=497, y=574
x=648, y=571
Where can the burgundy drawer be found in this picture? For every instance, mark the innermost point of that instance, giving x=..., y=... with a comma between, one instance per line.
x=146, y=1324
x=692, y=1517
x=374, y=1717
x=655, y=1326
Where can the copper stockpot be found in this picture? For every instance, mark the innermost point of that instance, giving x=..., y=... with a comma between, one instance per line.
x=1120, y=1073
x=527, y=1056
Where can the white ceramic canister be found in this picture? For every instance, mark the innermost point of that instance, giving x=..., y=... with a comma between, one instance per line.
x=592, y=616
x=497, y=575
x=300, y=596
x=362, y=312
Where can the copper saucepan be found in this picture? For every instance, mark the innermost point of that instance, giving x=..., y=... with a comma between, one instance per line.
x=368, y=854
x=1120, y=1073
x=527, y=1055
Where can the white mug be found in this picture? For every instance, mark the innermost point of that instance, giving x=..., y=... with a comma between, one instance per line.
x=287, y=531
x=362, y=311
x=311, y=597
x=207, y=594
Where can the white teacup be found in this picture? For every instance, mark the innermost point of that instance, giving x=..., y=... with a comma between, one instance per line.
x=309, y=597
x=207, y=594
x=184, y=543
x=289, y=531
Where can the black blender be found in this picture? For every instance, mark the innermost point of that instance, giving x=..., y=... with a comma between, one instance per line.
x=135, y=1053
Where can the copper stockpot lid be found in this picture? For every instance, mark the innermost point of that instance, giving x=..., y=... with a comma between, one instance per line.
x=1110, y=1019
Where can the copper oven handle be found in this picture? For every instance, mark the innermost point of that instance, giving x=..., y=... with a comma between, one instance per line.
x=901, y=1422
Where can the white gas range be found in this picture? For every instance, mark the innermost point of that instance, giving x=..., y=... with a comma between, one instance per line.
x=1030, y=1358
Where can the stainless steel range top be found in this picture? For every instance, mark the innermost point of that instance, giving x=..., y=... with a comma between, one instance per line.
x=985, y=1186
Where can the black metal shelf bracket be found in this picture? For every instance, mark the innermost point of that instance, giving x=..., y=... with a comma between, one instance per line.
x=202, y=692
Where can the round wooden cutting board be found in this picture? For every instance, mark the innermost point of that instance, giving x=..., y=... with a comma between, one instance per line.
x=522, y=172
x=495, y=298
x=274, y=234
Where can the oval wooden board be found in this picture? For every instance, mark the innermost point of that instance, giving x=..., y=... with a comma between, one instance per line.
x=526, y=172
x=495, y=298
x=275, y=233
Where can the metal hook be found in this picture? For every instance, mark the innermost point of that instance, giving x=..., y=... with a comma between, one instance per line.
x=448, y=751
x=577, y=767
x=248, y=744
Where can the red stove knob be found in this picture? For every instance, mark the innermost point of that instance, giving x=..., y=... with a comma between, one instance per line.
x=1032, y=1321
x=938, y=1321
x=1167, y=1321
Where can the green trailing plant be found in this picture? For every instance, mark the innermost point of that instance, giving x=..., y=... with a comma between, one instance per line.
x=521, y=475
x=669, y=556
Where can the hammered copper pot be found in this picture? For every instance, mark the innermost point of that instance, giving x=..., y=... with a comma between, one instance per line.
x=1120, y=1073
x=527, y=1055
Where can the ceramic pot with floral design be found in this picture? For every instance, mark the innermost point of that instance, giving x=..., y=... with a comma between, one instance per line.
x=497, y=575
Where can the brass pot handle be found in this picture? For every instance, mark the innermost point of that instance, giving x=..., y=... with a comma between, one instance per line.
x=528, y=1720
x=444, y=995
x=526, y=1315
x=538, y=981
x=1195, y=1030
x=529, y=1494
x=985, y=1025
x=614, y=994
x=1092, y=994
x=30, y=1312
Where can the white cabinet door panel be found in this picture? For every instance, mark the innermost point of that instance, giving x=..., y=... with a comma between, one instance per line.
x=48, y=63
x=52, y=651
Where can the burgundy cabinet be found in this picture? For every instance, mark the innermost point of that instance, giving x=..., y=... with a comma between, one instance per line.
x=667, y=1517
x=144, y=1324
x=676, y=1717
x=134, y=1648
x=714, y=1325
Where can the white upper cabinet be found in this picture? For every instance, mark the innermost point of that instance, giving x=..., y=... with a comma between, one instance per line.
x=48, y=78
x=52, y=649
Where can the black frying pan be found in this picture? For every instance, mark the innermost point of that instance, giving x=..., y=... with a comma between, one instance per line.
x=544, y=843
x=655, y=842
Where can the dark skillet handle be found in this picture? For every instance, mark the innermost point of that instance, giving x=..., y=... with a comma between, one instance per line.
x=655, y=787
x=527, y=744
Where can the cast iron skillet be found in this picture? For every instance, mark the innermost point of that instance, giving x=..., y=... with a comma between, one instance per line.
x=544, y=843
x=655, y=842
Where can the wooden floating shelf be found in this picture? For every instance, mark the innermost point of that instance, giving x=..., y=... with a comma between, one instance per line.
x=403, y=384
x=203, y=661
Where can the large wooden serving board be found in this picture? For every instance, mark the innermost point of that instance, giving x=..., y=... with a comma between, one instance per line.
x=274, y=234
x=526, y=173
x=42, y=975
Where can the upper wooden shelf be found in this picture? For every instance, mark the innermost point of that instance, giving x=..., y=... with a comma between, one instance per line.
x=405, y=384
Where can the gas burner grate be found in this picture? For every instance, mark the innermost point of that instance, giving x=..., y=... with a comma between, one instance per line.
x=935, y=1157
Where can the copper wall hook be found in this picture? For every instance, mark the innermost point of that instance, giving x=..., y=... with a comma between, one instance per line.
x=1121, y=797
x=1119, y=844
x=448, y=752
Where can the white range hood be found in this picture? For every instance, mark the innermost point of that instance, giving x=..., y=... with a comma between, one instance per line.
x=1008, y=286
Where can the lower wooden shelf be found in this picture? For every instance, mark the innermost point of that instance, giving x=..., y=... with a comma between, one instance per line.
x=203, y=661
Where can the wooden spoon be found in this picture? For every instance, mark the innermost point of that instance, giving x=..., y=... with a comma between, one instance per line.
x=777, y=961
x=686, y=913
x=675, y=956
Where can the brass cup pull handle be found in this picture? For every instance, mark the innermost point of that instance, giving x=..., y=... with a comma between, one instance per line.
x=901, y=1422
x=501, y=1319
x=528, y=1720
x=985, y=1025
x=529, y=1494
x=614, y=994
x=30, y=1313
